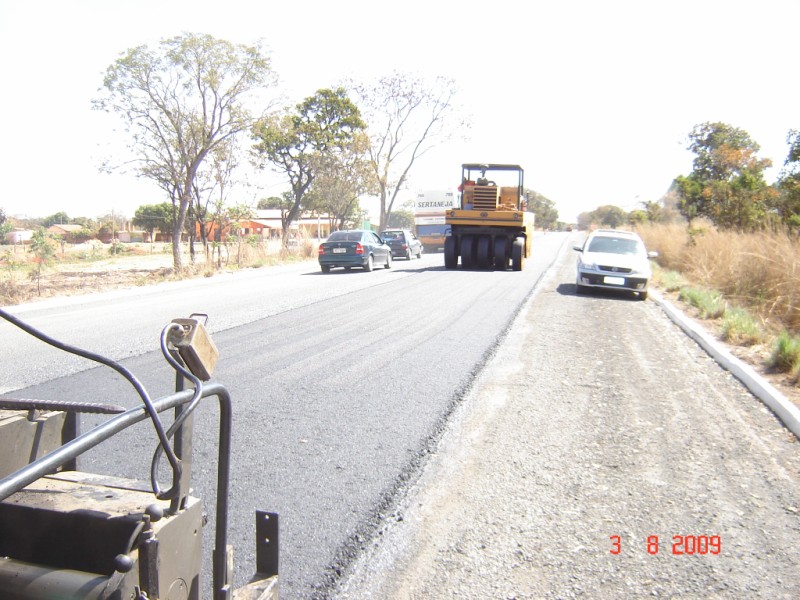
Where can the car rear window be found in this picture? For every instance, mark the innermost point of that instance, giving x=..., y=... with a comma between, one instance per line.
x=345, y=236
x=392, y=235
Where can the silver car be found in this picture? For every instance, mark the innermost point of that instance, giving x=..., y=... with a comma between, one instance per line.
x=614, y=259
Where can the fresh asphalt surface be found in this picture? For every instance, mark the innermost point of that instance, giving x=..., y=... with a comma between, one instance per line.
x=341, y=383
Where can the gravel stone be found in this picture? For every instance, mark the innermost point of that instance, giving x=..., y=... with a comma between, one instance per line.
x=596, y=418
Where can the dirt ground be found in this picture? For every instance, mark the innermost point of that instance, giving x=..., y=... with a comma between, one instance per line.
x=557, y=478
x=18, y=285
x=80, y=269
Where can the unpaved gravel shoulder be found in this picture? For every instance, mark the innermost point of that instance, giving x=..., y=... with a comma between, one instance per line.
x=597, y=418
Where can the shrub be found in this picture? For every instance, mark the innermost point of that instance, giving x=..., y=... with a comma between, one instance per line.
x=740, y=327
x=670, y=281
x=711, y=305
x=786, y=354
x=759, y=271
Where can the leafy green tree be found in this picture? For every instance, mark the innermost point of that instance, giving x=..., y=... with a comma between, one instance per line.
x=787, y=204
x=296, y=143
x=60, y=218
x=727, y=181
x=654, y=211
x=609, y=216
x=271, y=203
x=407, y=117
x=341, y=179
x=43, y=246
x=180, y=101
x=401, y=219
x=637, y=217
x=85, y=222
x=544, y=209
x=155, y=216
x=5, y=226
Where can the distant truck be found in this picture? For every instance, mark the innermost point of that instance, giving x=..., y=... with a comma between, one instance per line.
x=429, y=217
x=491, y=227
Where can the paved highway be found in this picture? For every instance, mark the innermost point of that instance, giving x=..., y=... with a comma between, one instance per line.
x=341, y=384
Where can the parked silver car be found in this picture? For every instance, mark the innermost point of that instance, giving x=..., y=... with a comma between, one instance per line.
x=614, y=259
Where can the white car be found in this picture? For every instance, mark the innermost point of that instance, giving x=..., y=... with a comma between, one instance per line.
x=614, y=259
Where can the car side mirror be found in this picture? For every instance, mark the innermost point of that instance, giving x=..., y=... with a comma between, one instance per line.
x=652, y=254
x=578, y=248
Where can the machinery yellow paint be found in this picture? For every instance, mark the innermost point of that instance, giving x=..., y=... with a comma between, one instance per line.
x=491, y=227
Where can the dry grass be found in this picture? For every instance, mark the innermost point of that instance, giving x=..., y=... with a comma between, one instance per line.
x=757, y=271
x=93, y=267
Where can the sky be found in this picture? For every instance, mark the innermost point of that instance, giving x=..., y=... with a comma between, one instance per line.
x=595, y=100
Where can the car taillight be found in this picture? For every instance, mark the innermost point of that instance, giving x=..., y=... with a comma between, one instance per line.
x=404, y=246
x=321, y=250
x=359, y=249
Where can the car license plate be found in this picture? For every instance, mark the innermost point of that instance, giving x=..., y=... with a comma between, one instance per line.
x=339, y=250
x=614, y=280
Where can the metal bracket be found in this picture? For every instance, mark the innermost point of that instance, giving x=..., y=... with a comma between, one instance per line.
x=267, y=546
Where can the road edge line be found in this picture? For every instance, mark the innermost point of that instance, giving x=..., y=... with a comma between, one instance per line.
x=780, y=405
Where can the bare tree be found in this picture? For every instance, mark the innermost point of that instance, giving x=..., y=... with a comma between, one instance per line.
x=180, y=101
x=406, y=118
x=211, y=190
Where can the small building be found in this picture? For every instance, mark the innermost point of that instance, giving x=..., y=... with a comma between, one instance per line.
x=69, y=233
x=308, y=226
x=19, y=236
x=267, y=225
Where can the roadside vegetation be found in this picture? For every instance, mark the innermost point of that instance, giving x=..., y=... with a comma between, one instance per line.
x=749, y=283
x=728, y=242
x=47, y=268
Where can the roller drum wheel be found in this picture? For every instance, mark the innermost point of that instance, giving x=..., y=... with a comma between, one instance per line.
x=468, y=251
x=518, y=254
x=501, y=254
x=450, y=252
x=484, y=252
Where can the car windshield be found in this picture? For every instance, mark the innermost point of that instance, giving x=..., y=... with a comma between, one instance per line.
x=614, y=245
x=345, y=236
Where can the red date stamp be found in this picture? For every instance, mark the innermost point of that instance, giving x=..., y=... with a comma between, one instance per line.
x=679, y=544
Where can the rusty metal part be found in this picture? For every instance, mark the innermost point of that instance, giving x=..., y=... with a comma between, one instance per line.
x=130, y=377
x=7, y=403
x=52, y=461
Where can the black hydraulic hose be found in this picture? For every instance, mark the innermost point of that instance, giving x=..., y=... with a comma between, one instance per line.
x=198, y=394
x=151, y=411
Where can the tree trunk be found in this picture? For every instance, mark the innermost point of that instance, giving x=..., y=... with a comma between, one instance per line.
x=177, y=259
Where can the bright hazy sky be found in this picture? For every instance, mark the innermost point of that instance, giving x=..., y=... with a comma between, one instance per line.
x=593, y=98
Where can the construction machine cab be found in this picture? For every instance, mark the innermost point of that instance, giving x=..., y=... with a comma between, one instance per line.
x=480, y=189
x=491, y=228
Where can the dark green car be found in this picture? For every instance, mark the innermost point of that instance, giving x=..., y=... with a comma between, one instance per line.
x=354, y=248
